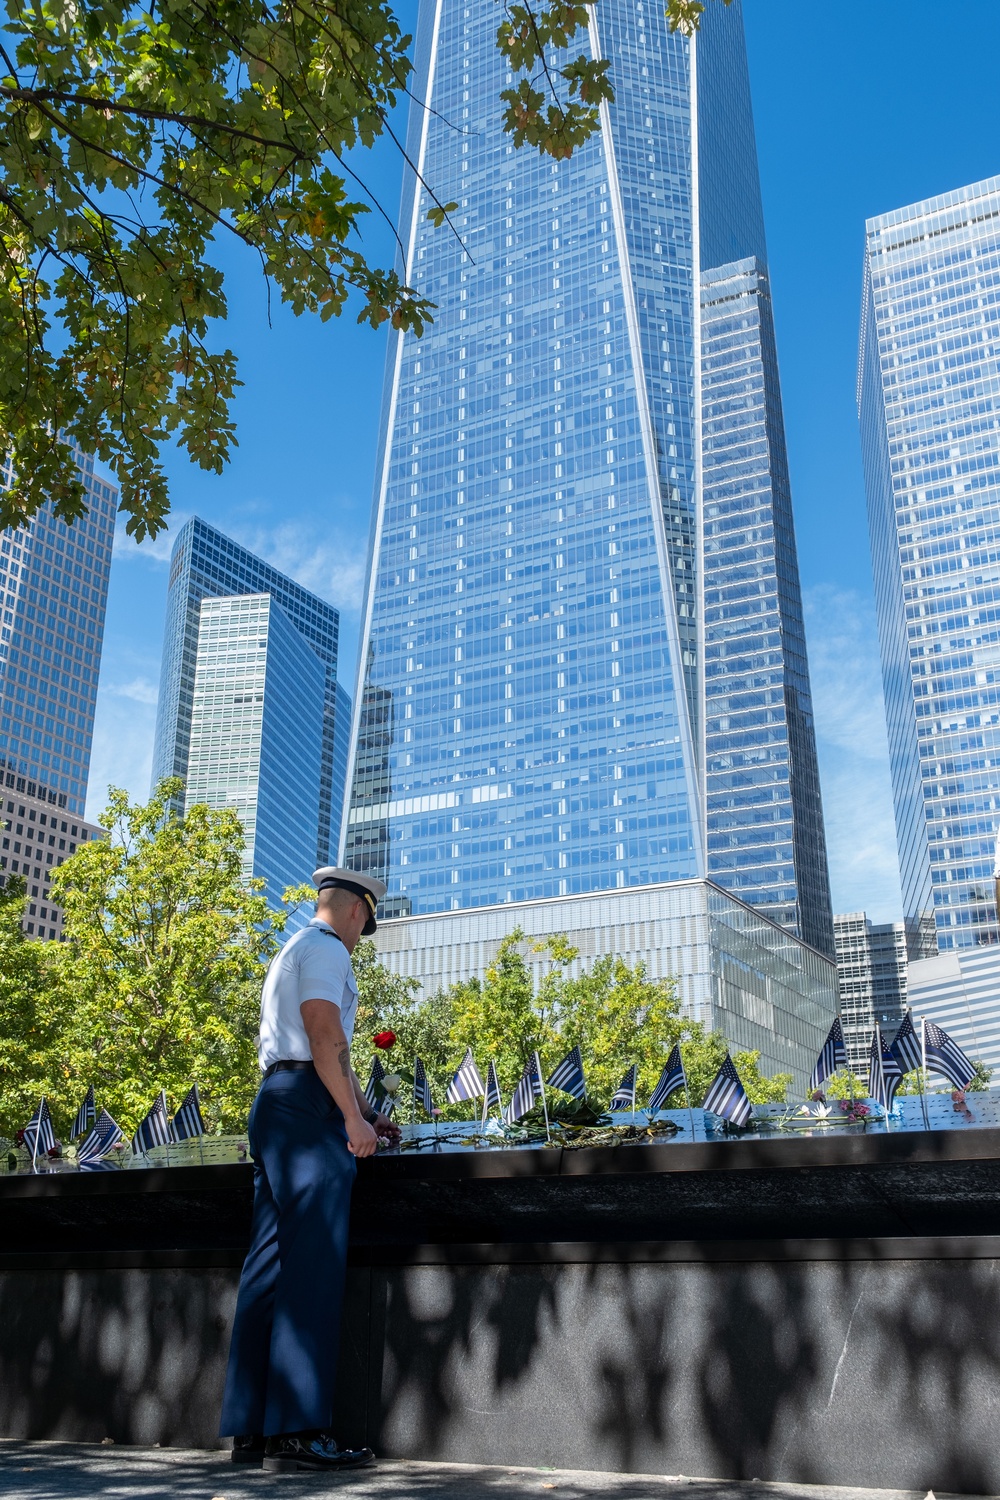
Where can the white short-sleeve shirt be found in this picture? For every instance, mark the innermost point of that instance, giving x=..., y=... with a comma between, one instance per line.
x=312, y=965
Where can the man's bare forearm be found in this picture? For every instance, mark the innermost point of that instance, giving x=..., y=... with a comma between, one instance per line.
x=332, y=1055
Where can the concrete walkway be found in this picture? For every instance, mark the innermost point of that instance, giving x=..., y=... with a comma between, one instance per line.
x=70, y=1471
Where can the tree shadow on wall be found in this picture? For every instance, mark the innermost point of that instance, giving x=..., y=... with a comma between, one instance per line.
x=137, y=1356
x=432, y=1329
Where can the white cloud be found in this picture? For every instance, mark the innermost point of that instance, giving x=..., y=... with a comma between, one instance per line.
x=139, y=690
x=846, y=676
x=332, y=566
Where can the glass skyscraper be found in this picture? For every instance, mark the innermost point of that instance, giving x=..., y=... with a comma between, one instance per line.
x=929, y=401
x=765, y=827
x=53, y=596
x=205, y=564
x=532, y=716
x=256, y=742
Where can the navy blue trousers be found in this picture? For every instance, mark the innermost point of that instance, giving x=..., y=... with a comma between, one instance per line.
x=283, y=1355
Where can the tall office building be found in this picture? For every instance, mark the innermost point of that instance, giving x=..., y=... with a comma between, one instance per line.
x=766, y=840
x=539, y=623
x=256, y=741
x=929, y=401
x=53, y=595
x=205, y=564
x=871, y=973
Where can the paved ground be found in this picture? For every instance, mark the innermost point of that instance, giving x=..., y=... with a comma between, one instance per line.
x=67, y=1471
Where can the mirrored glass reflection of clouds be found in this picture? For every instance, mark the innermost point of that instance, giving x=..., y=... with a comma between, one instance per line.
x=853, y=751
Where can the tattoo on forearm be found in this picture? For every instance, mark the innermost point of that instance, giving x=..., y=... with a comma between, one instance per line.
x=344, y=1057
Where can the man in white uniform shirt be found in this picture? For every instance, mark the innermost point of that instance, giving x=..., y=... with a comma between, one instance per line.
x=309, y=1123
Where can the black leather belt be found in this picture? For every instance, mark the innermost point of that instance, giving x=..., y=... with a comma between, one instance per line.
x=291, y=1066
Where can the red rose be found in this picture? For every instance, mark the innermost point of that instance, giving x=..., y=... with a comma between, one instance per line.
x=384, y=1040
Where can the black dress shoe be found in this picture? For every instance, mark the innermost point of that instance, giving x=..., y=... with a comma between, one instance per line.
x=297, y=1451
x=248, y=1449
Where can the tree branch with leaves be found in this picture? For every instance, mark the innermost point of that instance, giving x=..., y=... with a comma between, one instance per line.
x=133, y=138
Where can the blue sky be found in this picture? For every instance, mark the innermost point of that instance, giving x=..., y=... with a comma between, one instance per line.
x=858, y=110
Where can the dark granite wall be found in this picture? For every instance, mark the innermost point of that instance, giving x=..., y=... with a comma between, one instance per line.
x=864, y=1371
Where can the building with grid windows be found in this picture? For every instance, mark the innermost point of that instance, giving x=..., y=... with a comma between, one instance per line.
x=205, y=564
x=552, y=576
x=53, y=595
x=929, y=402
x=871, y=973
x=35, y=838
x=256, y=738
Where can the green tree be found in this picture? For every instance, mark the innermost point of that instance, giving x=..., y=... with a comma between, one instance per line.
x=613, y=1012
x=29, y=1014
x=159, y=976
x=132, y=137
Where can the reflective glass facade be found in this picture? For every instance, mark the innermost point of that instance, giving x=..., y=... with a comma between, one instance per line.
x=764, y=811
x=530, y=710
x=929, y=400
x=206, y=564
x=257, y=733
x=53, y=595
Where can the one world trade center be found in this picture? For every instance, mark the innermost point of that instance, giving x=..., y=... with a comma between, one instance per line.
x=583, y=660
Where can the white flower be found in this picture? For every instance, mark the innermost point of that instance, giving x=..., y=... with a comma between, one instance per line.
x=391, y=1083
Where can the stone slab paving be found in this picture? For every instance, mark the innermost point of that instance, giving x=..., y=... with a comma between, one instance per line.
x=71, y=1471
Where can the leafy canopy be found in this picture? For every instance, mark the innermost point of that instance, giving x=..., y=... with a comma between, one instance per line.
x=159, y=977
x=613, y=1012
x=133, y=136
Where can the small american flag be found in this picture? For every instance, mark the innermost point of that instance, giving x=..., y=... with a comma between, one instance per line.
x=527, y=1091
x=421, y=1087
x=670, y=1079
x=154, y=1129
x=906, y=1047
x=944, y=1055
x=832, y=1057
x=187, y=1122
x=85, y=1116
x=568, y=1075
x=39, y=1135
x=884, y=1073
x=624, y=1095
x=726, y=1095
x=466, y=1083
x=375, y=1076
x=494, y=1099
x=103, y=1138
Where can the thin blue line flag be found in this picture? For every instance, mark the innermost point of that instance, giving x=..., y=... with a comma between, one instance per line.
x=466, y=1083
x=527, y=1091
x=375, y=1076
x=832, y=1057
x=103, y=1138
x=906, y=1047
x=726, y=1095
x=85, y=1116
x=154, y=1129
x=884, y=1073
x=39, y=1135
x=945, y=1056
x=421, y=1087
x=187, y=1122
x=672, y=1077
x=624, y=1095
x=494, y=1098
x=568, y=1075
